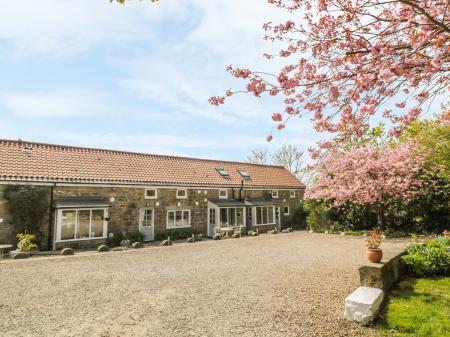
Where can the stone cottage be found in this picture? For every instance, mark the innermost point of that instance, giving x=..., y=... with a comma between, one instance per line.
x=95, y=194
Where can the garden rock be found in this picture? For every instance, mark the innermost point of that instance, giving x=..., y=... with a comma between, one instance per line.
x=252, y=233
x=103, y=248
x=363, y=304
x=190, y=240
x=137, y=245
x=273, y=231
x=17, y=254
x=67, y=251
x=166, y=243
x=217, y=237
x=119, y=249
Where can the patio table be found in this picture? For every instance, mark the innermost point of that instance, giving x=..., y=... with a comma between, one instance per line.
x=227, y=231
x=2, y=248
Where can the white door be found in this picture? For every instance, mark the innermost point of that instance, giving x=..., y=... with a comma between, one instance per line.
x=277, y=217
x=211, y=222
x=146, y=223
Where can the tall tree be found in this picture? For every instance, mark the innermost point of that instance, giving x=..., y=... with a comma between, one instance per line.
x=290, y=157
x=369, y=175
x=259, y=156
x=349, y=57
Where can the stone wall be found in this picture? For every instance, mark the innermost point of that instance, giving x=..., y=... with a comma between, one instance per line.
x=126, y=202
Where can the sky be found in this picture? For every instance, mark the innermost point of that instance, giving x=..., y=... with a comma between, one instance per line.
x=138, y=76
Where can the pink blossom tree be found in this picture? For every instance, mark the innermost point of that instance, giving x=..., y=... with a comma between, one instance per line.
x=369, y=175
x=348, y=58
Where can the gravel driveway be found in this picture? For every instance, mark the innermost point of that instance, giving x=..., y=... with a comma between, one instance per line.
x=272, y=285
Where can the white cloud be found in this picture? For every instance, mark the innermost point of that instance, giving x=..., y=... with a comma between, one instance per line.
x=64, y=27
x=67, y=103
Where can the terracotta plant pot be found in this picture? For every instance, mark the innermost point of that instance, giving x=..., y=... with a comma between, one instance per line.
x=374, y=255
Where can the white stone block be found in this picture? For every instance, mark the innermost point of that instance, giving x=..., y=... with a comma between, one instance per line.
x=363, y=304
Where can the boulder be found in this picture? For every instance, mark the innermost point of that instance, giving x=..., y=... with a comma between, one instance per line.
x=17, y=254
x=190, y=240
x=285, y=231
x=103, y=248
x=137, y=245
x=273, y=231
x=67, y=251
x=252, y=233
x=166, y=243
x=119, y=249
x=363, y=304
x=217, y=237
x=235, y=236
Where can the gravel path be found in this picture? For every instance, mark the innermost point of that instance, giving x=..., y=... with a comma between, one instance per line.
x=272, y=285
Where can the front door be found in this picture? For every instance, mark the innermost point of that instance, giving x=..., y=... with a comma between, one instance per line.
x=146, y=223
x=277, y=217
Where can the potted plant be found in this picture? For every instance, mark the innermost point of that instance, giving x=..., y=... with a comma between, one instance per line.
x=373, y=242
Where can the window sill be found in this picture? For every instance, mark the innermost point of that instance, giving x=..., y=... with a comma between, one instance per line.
x=179, y=227
x=84, y=239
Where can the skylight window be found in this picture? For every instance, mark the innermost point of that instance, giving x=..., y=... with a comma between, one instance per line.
x=244, y=174
x=223, y=172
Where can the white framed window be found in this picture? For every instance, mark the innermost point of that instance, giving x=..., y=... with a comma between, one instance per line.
x=81, y=224
x=151, y=193
x=178, y=219
x=275, y=194
x=286, y=210
x=231, y=216
x=223, y=194
x=265, y=215
x=292, y=194
x=147, y=217
x=182, y=193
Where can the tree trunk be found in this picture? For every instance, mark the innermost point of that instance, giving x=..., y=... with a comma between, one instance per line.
x=381, y=223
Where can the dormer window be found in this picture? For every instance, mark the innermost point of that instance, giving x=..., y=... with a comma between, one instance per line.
x=224, y=173
x=244, y=174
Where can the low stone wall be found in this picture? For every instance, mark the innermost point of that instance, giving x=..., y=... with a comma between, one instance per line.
x=383, y=275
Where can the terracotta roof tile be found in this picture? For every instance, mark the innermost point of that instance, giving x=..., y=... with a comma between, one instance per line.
x=20, y=160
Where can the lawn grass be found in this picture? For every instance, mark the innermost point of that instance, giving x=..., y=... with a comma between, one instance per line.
x=419, y=308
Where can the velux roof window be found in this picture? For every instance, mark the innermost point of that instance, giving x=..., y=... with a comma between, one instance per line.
x=244, y=174
x=223, y=173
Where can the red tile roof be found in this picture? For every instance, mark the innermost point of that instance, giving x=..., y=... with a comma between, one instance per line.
x=29, y=161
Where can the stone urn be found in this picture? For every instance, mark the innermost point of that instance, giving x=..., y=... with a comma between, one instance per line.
x=374, y=255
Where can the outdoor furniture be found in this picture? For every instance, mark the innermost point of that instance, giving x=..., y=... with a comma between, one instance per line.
x=227, y=231
x=237, y=231
x=2, y=248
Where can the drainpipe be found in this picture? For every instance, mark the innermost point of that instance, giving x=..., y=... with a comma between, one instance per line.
x=50, y=218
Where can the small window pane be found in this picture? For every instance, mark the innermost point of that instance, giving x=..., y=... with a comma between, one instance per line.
x=292, y=194
x=286, y=210
x=265, y=215
x=240, y=216
x=212, y=216
x=258, y=215
x=178, y=218
x=84, y=221
x=171, y=219
x=68, y=225
x=150, y=193
x=232, y=216
x=271, y=215
x=181, y=193
x=186, y=219
x=223, y=217
x=97, y=223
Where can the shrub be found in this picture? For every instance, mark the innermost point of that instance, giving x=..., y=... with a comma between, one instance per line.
x=27, y=206
x=176, y=234
x=134, y=236
x=321, y=217
x=297, y=220
x=115, y=240
x=430, y=259
x=25, y=242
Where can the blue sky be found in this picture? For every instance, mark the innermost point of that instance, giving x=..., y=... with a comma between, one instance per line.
x=138, y=77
